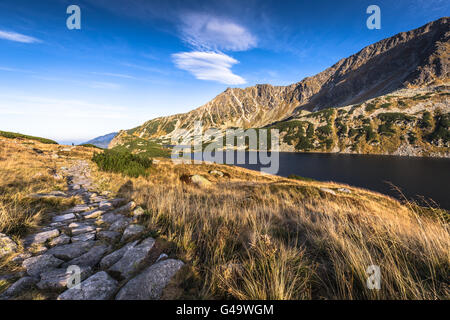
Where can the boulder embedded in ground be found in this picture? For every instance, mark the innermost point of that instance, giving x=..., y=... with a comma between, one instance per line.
x=36, y=265
x=77, y=209
x=150, y=283
x=42, y=237
x=109, y=236
x=57, y=279
x=345, y=190
x=200, y=181
x=133, y=230
x=100, y=286
x=90, y=258
x=70, y=251
x=7, y=246
x=327, y=190
x=20, y=286
x=132, y=260
x=115, y=256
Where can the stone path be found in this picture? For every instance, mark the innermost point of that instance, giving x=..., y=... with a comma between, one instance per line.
x=99, y=242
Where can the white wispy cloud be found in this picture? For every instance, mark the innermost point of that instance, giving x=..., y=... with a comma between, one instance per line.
x=211, y=33
x=116, y=75
x=17, y=37
x=208, y=66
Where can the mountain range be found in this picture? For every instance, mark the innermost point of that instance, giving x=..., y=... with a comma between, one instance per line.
x=389, y=98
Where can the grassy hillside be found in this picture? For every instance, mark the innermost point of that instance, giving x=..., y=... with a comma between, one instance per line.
x=13, y=135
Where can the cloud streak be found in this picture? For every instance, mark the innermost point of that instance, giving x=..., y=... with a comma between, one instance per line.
x=17, y=37
x=208, y=66
x=210, y=33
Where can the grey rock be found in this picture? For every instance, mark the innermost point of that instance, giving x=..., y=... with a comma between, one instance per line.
x=115, y=256
x=57, y=279
x=36, y=265
x=109, y=236
x=133, y=230
x=126, y=208
x=7, y=246
x=132, y=260
x=84, y=237
x=138, y=212
x=42, y=237
x=110, y=218
x=64, y=217
x=81, y=228
x=61, y=240
x=200, y=181
x=70, y=251
x=119, y=225
x=100, y=286
x=20, y=286
x=90, y=258
x=150, y=284
x=345, y=190
x=327, y=190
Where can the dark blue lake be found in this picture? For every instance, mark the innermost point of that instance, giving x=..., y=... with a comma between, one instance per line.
x=418, y=178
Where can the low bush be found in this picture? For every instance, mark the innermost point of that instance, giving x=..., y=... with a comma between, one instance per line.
x=122, y=162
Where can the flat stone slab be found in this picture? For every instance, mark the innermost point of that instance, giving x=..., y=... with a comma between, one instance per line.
x=57, y=279
x=64, y=217
x=99, y=286
x=40, y=238
x=115, y=256
x=90, y=258
x=132, y=260
x=70, y=251
x=39, y=264
x=7, y=246
x=150, y=283
x=110, y=218
x=61, y=240
x=84, y=237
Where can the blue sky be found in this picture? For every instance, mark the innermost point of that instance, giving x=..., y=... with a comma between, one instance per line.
x=136, y=60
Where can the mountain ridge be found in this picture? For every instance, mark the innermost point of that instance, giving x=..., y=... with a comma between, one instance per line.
x=412, y=59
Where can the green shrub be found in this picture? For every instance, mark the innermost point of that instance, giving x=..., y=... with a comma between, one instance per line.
x=90, y=145
x=122, y=162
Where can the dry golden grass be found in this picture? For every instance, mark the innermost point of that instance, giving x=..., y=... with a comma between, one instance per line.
x=266, y=237
x=25, y=170
x=253, y=236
